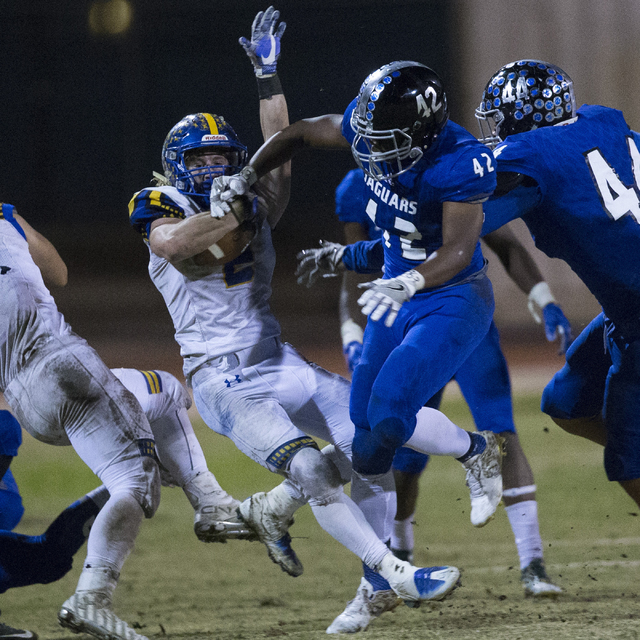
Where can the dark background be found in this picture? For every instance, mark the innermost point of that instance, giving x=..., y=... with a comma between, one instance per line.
x=84, y=116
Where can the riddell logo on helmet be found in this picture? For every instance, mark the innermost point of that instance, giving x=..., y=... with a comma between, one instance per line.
x=213, y=138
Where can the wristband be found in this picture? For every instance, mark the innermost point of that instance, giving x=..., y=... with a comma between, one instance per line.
x=351, y=331
x=250, y=175
x=539, y=297
x=413, y=279
x=268, y=86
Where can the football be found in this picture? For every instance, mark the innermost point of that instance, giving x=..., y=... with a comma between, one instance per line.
x=231, y=245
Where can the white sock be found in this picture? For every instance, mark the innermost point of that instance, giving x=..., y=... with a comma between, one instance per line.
x=523, y=517
x=436, y=435
x=114, y=531
x=402, y=534
x=376, y=498
x=342, y=520
x=286, y=498
x=177, y=446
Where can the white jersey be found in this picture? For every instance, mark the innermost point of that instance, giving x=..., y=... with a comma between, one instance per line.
x=216, y=310
x=30, y=317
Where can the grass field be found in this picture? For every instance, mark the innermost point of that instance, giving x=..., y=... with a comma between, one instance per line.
x=173, y=586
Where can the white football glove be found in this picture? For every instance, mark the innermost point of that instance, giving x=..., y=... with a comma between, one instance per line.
x=382, y=296
x=225, y=188
x=324, y=262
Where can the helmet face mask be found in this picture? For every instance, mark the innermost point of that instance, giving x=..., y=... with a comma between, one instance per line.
x=187, y=146
x=522, y=96
x=400, y=111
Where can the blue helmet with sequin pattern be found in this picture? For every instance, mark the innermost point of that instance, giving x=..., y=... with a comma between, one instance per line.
x=524, y=95
x=400, y=111
x=189, y=136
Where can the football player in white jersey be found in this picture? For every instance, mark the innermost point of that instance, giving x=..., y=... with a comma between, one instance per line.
x=63, y=394
x=164, y=401
x=248, y=385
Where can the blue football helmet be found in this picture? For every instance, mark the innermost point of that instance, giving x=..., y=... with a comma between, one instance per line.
x=193, y=133
x=400, y=111
x=524, y=95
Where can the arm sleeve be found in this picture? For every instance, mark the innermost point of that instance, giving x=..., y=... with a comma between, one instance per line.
x=366, y=256
x=514, y=204
x=149, y=205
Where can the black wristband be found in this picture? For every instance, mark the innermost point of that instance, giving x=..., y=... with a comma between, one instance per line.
x=269, y=86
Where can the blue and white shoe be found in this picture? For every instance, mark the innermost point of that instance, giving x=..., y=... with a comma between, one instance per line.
x=272, y=530
x=415, y=585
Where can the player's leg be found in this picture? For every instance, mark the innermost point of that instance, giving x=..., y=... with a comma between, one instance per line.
x=574, y=397
x=251, y=413
x=165, y=402
x=486, y=387
x=11, y=509
x=621, y=413
x=435, y=342
x=69, y=396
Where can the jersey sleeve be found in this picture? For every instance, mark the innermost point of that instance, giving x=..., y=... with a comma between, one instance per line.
x=350, y=203
x=149, y=205
x=467, y=176
x=366, y=256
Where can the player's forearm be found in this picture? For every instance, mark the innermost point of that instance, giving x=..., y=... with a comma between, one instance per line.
x=320, y=133
x=190, y=237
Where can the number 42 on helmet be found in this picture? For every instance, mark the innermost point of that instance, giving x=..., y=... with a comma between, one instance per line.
x=236, y=241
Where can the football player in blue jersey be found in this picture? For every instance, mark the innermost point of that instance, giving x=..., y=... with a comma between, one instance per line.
x=426, y=180
x=483, y=380
x=573, y=176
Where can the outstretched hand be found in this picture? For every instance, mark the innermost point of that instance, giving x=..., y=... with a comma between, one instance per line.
x=556, y=325
x=264, y=47
x=324, y=262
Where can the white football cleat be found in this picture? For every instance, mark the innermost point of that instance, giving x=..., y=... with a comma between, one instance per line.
x=216, y=518
x=272, y=530
x=536, y=583
x=484, y=479
x=414, y=585
x=88, y=612
x=363, y=609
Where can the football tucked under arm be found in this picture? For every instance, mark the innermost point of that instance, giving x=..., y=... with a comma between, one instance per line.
x=231, y=245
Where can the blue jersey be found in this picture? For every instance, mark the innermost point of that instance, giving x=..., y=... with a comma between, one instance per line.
x=585, y=208
x=408, y=208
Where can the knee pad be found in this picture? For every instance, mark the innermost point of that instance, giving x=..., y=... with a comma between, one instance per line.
x=341, y=460
x=317, y=475
x=140, y=478
x=373, y=451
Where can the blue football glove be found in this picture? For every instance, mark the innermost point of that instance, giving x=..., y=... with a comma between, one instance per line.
x=352, y=354
x=556, y=325
x=264, y=47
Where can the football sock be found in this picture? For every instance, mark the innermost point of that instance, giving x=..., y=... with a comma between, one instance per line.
x=376, y=498
x=478, y=445
x=402, y=534
x=114, y=532
x=523, y=517
x=344, y=521
x=435, y=434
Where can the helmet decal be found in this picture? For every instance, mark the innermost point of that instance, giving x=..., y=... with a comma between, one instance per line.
x=524, y=95
x=195, y=132
x=400, y=111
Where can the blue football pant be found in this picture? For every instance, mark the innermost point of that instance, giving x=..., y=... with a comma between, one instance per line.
x=404, y=365
x=602, y=376
x=485, y=385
